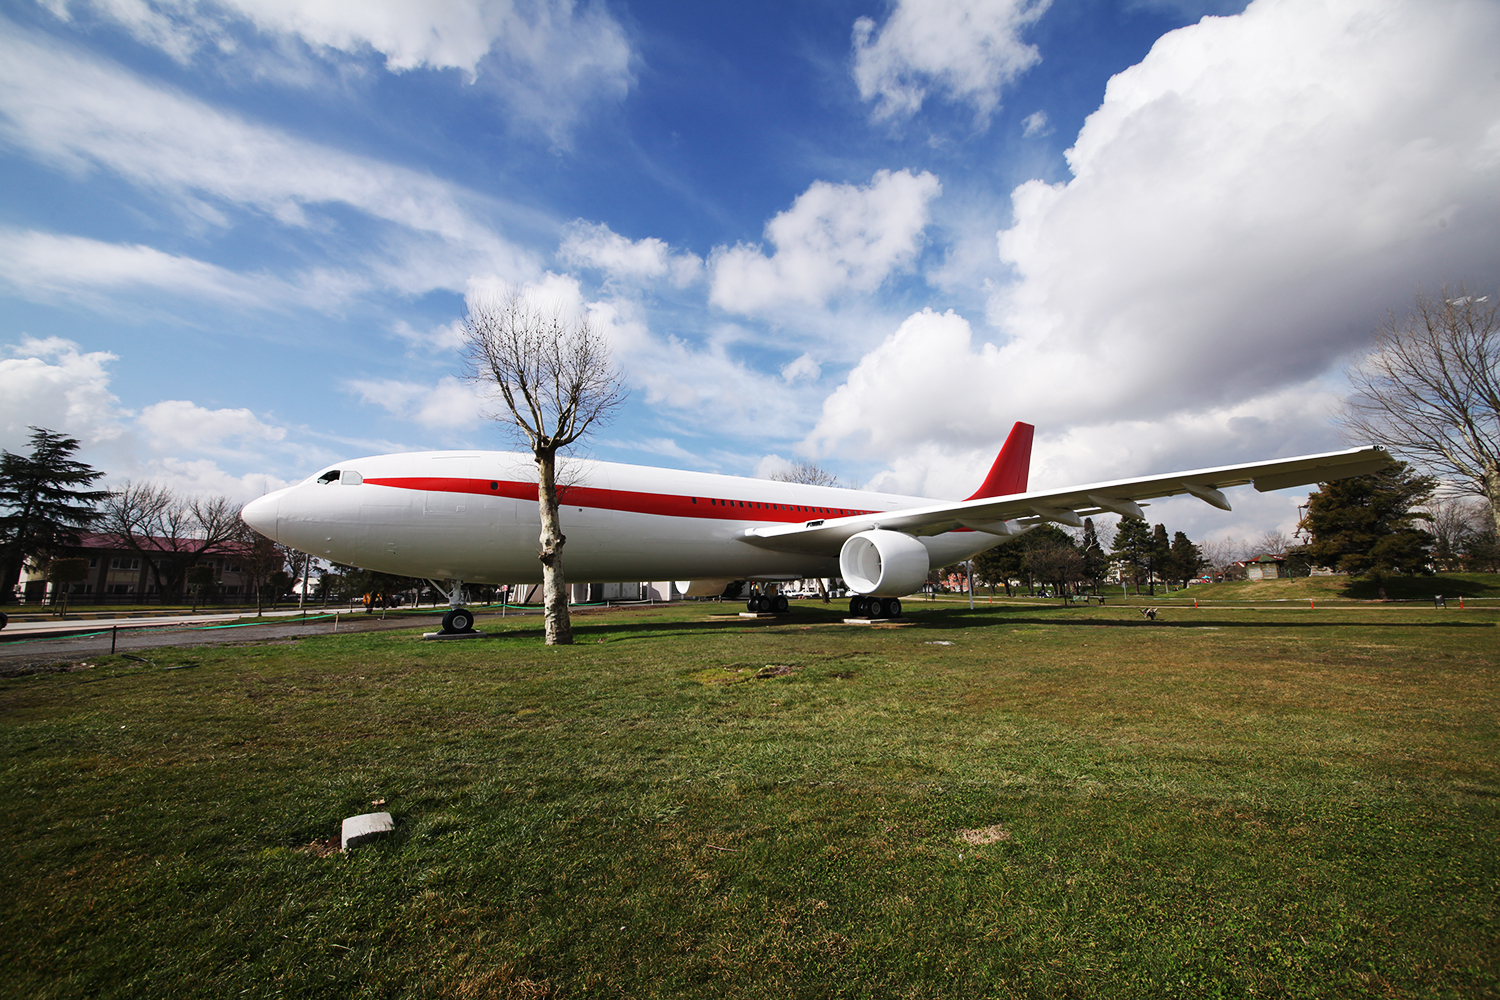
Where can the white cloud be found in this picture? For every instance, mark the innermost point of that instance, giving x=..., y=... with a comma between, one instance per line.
x=664, y=446
x=693, y=379
x=204, y=477
x=52, y=383
x=803, y=369
x=1246, y=205
x=1253, y=196
x=49, y=266
x=595, y=245
x=549, y=58
x=770, y=466
x=1036, y=124
x=699, y=381
x=81, y=115
x=447, y=338
x=182, y=424
x=835, y=238
x=449, y=404
x=967, y=50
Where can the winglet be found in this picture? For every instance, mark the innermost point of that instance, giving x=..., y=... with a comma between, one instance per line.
x=1012, y=466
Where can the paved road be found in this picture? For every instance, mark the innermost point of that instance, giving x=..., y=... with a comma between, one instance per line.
x=38, y=646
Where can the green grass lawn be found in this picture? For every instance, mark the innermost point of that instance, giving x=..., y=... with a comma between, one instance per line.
x=1014, y=801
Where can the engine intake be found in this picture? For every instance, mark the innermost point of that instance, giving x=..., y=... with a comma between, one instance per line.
x=884, y=563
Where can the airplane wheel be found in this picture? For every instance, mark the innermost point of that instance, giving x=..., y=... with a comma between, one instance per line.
x=458, y=620
x=780, y=605
x=876, y=608
x=3, y=620
x=857, y=607
x=893, y=608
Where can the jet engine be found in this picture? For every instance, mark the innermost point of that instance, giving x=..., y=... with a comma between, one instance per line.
x=883, y=563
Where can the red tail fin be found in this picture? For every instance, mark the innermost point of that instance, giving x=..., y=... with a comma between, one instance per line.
x=1012, y=466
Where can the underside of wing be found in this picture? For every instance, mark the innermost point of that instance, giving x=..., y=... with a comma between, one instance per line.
x=1011, y=515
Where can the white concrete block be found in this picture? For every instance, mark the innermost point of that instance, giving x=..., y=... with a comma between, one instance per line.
x=363, y=829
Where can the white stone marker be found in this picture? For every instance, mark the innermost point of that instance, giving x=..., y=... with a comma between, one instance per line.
x=363, y=829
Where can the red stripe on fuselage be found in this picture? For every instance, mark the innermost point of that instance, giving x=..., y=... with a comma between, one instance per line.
x=661, y=504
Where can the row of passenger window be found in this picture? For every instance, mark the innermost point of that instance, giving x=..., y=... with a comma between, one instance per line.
x=798, y=508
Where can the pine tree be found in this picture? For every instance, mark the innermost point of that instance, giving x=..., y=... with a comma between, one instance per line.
x=1185, y=560
x=46, y=506
x=1133, y=549
x=1365, y=525
x=1160, y=554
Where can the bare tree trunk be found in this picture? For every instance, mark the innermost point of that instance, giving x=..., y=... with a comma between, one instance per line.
x=558, y=624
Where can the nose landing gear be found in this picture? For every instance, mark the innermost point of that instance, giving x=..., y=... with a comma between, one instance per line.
x=459, y=619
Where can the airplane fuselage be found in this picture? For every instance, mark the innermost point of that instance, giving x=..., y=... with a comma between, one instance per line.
x=473, y=516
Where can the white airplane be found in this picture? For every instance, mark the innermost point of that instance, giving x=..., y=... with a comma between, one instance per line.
x=471, y=516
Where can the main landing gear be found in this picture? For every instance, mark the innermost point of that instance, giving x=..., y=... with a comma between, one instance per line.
x=459, y=618
x=874, y=607
x=768, y=603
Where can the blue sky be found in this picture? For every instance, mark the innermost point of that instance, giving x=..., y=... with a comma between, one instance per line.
x=236, y=235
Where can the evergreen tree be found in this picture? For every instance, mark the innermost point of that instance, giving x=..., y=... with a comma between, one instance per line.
x=1133, y=549
x=46, y=503
x=1185, y=559
x=1160, y=555
x=1365, y=525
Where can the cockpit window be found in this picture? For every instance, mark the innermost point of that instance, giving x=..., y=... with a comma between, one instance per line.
x=330, y=476
x=350, y=478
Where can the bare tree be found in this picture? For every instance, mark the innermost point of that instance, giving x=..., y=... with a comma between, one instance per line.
x=1055, y=563
x=1430, y=389
x=261, y=557
x=1460, y=529
x=1273, y=543
x=169, y=531
x=808, y=473
x=554, y=375
x=1222, y=553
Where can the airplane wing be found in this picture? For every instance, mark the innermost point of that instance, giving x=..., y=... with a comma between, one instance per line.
x=1011, y=515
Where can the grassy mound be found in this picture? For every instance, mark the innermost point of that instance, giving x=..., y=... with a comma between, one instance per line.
x=1408, y=588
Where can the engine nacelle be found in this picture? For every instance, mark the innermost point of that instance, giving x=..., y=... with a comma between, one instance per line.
x=702, y=588
x=883, y=563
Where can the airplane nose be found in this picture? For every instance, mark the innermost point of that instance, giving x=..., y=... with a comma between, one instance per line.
x=261, y=514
